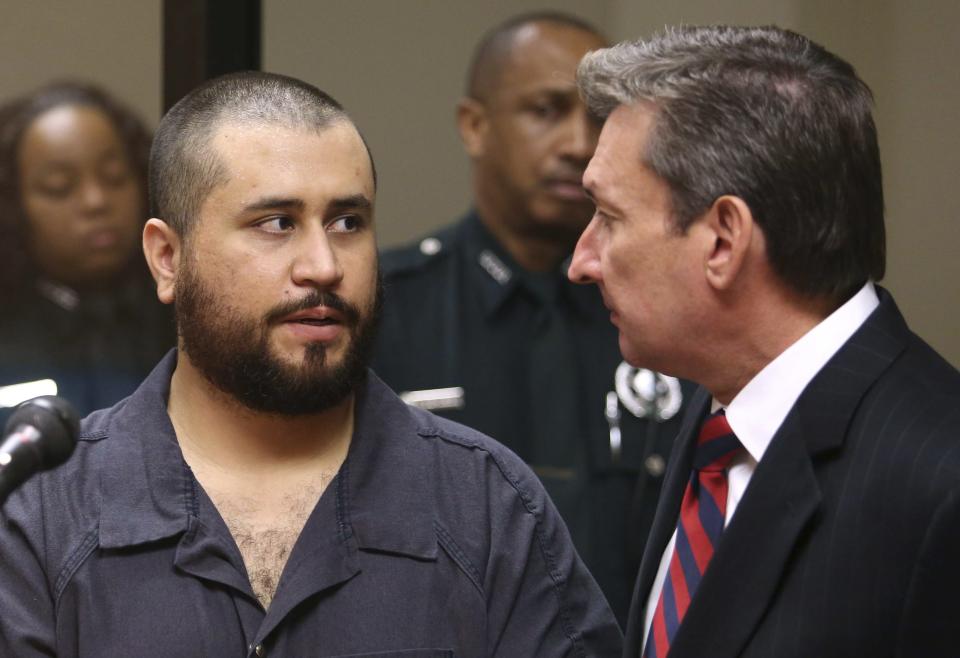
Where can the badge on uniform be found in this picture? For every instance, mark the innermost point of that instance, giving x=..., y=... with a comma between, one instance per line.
x=645, y=394
x=435, y=399
x=648, y=394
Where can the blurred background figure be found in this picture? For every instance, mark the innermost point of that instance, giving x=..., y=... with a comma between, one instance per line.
x=481, y=325
x=78, y=306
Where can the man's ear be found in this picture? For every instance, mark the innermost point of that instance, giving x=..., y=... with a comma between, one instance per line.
x=734, y=237
x=162, y=248
x=473, y=125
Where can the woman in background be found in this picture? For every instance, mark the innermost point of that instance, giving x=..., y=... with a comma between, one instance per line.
x=77, y=304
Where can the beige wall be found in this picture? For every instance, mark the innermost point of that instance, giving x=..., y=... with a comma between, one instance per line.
x=112, y=42
x=398, y=66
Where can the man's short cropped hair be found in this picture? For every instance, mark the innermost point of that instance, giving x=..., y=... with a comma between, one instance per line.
x=184, y=167
x=768, y=116
x=495, y=46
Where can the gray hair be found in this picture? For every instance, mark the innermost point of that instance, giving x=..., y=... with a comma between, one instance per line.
x=769, y=116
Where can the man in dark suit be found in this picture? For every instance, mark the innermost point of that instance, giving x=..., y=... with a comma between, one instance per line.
x=811, y=506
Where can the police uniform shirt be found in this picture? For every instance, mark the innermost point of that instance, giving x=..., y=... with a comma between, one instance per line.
x=531, y=360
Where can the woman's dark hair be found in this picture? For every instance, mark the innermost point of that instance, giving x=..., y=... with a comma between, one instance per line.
x=16, y=116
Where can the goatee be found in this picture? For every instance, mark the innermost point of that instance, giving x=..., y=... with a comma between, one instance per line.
x=233, y=351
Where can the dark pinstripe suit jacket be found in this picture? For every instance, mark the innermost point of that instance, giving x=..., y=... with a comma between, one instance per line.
x=847, y=540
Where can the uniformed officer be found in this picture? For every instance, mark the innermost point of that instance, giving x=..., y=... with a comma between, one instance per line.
x=481, y=325
x=80, y=316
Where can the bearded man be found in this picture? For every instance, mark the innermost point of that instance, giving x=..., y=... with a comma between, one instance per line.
x=262, y=492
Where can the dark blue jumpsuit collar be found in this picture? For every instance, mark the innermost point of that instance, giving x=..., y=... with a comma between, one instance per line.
x=385, y=488
x=380, y=498
x=147, y=487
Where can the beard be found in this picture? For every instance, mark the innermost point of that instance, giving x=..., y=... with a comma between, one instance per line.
x=233, y=351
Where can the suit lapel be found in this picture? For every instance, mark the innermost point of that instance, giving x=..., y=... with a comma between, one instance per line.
x=783, y=495
x=665, y=520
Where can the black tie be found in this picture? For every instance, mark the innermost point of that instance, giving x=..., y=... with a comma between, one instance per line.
x=555, y=426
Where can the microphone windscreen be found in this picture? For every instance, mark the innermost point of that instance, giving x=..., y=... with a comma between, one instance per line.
x=57, y=422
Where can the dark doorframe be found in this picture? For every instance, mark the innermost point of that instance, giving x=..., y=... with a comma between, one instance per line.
x=206, y=38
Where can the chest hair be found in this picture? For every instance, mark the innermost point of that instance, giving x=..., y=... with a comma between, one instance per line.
x=266, y=526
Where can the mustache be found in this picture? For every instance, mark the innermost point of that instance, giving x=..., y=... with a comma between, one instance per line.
x=316, y=298
x=567, y=169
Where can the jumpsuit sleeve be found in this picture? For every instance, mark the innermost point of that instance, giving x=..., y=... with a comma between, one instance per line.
x=27, y=618
x=541, y=599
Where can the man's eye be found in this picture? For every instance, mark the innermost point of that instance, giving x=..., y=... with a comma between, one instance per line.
x=345, y=224
x=550, y=109
x=544, y=110
x=280, y=224
x=601, y=216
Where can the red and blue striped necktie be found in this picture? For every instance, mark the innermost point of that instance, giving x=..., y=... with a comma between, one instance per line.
x=702, y=513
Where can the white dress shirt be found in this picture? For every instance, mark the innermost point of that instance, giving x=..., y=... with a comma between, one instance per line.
x=759, y=409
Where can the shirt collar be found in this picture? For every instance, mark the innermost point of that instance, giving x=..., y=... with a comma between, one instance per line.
x=759, y=409
x=126, y=297
x=497, y=276
x=384, y=488
x=63, y=296
x=147, y=486
x=389, y=497
x=489, y=268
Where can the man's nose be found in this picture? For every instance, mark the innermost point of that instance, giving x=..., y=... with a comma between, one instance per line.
x=585, y=264
x=316, y=262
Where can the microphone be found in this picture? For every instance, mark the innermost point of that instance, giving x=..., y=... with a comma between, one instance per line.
x=40, y=434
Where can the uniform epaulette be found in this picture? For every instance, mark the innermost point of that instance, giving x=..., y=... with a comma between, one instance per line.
x=416, y=255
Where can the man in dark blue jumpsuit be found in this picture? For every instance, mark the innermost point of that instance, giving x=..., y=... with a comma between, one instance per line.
x=262, y=493
x=481, y=324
